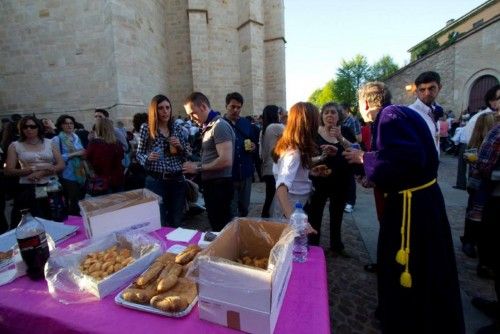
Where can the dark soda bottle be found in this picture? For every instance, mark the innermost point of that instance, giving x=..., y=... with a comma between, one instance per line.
x=33, y=245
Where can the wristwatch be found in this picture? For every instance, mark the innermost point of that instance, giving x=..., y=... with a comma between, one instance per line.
x=199, y=168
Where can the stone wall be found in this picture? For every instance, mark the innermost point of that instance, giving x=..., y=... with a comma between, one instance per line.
x=56, y=57
x=459, y=65
x=74, y=56
x=139, y=32
x=274, y=46
x=179, y=73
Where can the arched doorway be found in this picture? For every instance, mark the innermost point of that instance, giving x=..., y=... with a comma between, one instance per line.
x=478, y=89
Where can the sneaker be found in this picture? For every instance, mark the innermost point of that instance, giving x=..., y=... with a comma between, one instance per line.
x=348, y=208
x=475, y=215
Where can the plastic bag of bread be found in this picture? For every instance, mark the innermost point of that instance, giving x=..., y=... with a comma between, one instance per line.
x=98, y=265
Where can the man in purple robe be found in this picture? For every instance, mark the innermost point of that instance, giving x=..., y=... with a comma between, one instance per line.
x=417, y=276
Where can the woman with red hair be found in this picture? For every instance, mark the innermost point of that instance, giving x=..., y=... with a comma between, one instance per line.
x=293, y=158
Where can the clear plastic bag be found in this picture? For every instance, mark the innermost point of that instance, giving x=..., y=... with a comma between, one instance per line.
x=217, y=267
x=69, y=285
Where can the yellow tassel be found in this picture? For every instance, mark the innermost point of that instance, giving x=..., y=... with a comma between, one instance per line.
x=402, y=257
x=405, y=280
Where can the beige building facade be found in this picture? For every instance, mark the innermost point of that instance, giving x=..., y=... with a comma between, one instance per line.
x=466, y=67
x=74, y=56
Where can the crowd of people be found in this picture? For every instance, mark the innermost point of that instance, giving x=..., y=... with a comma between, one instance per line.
x=305, y=155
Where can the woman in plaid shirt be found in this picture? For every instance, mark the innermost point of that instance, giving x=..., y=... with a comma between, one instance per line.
x=162, y=150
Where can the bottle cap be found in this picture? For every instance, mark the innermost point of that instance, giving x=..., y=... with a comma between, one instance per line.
x=298, y=205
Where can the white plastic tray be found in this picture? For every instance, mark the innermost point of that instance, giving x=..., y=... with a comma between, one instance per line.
x=148, y=308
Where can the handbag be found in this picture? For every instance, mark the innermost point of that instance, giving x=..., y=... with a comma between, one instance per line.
x=94, y=184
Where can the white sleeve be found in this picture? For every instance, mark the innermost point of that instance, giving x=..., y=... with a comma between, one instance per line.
x=288, y=165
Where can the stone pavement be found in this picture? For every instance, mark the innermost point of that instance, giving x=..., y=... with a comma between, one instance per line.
x=352, y=291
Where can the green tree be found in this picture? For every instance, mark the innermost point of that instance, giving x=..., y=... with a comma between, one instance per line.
x=321, y=96
x=425, y=48
x=350, y=76
x=383, y=68
x=356, y=70
x=344, y=91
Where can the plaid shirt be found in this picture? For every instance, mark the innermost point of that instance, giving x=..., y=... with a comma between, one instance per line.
x=489, y=153
x=352, y=123
x=167, y=163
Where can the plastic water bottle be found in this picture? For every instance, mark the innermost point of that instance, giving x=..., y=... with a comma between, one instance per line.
x=33, y=246
x=298, y=220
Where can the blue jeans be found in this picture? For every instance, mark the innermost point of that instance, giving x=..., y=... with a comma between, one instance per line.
x=173, y=194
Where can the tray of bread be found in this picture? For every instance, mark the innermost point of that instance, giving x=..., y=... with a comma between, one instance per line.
x=162, y=289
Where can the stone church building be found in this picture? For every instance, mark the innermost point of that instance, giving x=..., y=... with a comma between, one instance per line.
x=466, y=53
x=62, y=56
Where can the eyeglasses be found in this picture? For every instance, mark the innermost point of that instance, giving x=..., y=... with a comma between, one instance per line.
x=32, y=127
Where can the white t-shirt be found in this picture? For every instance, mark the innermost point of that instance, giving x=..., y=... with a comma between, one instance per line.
x=290, y=172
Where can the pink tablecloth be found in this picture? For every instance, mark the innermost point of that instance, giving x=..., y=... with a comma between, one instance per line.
x=26, y=306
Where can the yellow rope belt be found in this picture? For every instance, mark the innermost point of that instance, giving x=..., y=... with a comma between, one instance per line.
x=403, y=254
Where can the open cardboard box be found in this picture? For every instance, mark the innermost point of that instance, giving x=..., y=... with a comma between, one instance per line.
x=239, y=296
x=111, y=283
x=63, y=272
x=135, y=209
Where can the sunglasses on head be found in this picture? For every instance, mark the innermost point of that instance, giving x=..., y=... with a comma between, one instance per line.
x=32, y=127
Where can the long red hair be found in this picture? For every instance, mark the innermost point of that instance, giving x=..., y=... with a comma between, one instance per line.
x=300, y=130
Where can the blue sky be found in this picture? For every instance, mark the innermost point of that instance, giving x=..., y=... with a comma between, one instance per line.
x=320, y=33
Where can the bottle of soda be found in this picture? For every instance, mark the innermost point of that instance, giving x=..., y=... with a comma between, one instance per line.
x=33, y=245
x=56, y=201
x=298, y=220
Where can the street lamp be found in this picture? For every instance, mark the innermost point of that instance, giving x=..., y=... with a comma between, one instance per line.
x=410, y=88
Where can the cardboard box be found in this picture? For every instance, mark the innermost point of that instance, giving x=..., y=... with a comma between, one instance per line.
x=239, y=296
x=135, y=209
x=111, y=283
x=63, y=272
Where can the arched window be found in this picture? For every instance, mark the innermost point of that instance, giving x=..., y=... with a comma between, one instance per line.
x=479, y=89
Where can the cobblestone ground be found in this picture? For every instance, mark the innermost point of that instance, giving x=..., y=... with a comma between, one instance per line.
x=351, y=290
